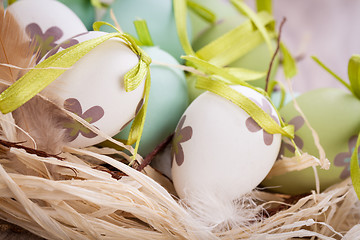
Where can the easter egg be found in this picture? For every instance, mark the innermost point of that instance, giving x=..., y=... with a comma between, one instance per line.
x=47, y=22
x=168, y=100
x=219, y=148
x=334, y=114
x=159, y=16
x=83, y=9
x=93, y=88
x=257, y=59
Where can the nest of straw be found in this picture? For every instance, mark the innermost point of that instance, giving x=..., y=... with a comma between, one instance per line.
x=94, y=194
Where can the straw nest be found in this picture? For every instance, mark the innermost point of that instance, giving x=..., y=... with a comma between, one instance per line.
x=93, y=194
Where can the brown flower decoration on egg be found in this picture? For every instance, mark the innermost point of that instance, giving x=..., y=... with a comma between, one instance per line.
x=44, y=41
x=253, y=126
x=73, y=127
x=344, y=158
x=182, y=134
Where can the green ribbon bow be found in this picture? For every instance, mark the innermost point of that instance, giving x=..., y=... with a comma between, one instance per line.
x=51, y=68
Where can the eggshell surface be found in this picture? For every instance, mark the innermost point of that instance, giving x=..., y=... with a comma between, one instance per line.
x=93, y=88
x=334, y=114
x=168, y=100
x=47, y=22
x=219, y=148
x=83, y=9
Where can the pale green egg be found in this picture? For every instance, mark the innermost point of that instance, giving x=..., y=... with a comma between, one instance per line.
x=168, y=100
x=159, y=15
x=334, y=114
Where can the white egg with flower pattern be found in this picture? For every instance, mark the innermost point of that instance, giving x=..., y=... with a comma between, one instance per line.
x=48, y=22
x=93, y=88
x=219, y=149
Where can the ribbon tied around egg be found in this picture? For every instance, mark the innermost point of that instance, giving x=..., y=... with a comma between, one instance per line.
x=38, y=78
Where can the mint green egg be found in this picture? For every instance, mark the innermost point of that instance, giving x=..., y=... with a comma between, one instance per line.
x=159, y=16
x=276, y=98
x=83, y=9
x=168, y=100
x=335, y=115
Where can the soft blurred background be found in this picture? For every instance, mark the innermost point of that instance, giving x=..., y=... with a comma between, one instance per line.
x=327, y=29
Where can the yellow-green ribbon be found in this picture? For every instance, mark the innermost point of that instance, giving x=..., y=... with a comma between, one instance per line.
x=98, y=4
x=180, y=10
x=11, y=2
x=257, y=113
x=143, y=33
x=246, y=10
x=264, y=5
x=235, y=43
x=354, y=88
x=289, y=64
x=132, y=80
x=355, y=168
x=217, y=78
x=202, y=11
x=354, y=74
x=40, y=77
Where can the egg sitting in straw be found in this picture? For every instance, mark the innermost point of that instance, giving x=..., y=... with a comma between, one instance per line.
x=219, y=151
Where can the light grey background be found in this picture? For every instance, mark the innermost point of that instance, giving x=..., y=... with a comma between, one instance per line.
x=328, y=29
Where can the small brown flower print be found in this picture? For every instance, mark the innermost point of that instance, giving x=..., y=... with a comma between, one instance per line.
x=73, y=127
x=44, y=41
x=182, y=134
x=344, y=158
x=298, y=122
x=253, y=126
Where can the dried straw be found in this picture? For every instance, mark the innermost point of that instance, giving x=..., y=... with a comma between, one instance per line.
x=75, y=199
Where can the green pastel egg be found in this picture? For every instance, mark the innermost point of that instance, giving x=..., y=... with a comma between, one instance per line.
x=159, y=16
x=168, y=100
x=83, y=9
x=334, y=114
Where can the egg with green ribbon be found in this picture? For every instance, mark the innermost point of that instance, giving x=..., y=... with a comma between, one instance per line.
x=158, y=14
x=334, y=114
x=237, y=44
x=94, y=87
x=219, y=148
x=168, y=100
x=47, y=22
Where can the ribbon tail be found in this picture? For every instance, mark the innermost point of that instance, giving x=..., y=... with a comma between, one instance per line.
x=138, y=125
x=355, y=168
